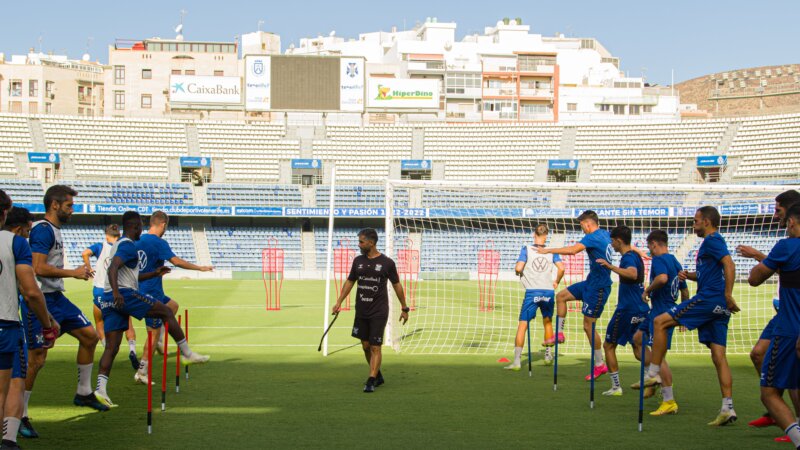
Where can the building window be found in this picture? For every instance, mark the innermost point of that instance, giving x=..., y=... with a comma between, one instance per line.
x=188, y=72
x=33, y=107
x=147, y=101
x=647, y=108
x=634, y=110
x=80, y=111
x=572, y=106
x=15, y=88
x=219, y=73
x=119, y=74
x=176, y=71
x=33, y=88
x=48, y=108
x=15, y=107
x=147, y=74
x=605, y=108
x=48, y=89
x=619, y=110
x=119, y=100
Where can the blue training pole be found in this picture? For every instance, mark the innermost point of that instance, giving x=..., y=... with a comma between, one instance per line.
x=641, y=382
x=591, y=369
x=530, y=364
x=555, y=358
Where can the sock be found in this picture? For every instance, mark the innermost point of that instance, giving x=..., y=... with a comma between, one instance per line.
x=793, y=431
x=615, y=380
x=727, y=404
x=654, y=370
x=85, y=379
x=132, y=345
x=560, y=324
x=103, y=341
x=10, y=429
x=143, y=365
x=25, y=403
x=517, y=355
x=102, y=383
x=666, y=391
x=548, y=352
x=184, y=347
x=598, y=357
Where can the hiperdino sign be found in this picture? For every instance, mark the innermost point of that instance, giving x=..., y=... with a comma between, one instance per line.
x=396, y=93
x=195, y=89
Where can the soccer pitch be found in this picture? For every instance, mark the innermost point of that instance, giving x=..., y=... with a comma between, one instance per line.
x=267, y=386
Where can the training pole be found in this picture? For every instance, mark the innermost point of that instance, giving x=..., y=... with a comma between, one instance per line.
x=178, y=364
x=149, y=382
x=530, y=364
x=591, y=369
x=164, y=369
x=186, y=325
x=555, y=358
x=641, y=383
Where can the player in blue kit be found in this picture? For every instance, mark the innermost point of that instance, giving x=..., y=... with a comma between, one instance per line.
x=631, y=310
x=153, y=252
x=48, y=263
x=17, y=277
x=781, y=367
x=663, y=290
x=536, y=274
x=593, y=291
x=709, y=311
x=102, y=251
x=783, y=201
x=122, y=298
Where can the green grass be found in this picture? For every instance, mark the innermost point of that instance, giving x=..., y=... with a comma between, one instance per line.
x=266, y=386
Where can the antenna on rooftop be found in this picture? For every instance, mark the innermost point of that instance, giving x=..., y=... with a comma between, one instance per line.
x=260, y=23
x=179, y=28
x=86, y=56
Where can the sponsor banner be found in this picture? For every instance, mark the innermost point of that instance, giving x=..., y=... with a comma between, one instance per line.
x=562, y=164
x=196, y=89
x=195, y=161
x=400, y=93
x=351, y=84
x=547, y=212
x=628, y=212
x=175, y=210
x=475, y=212
x=743, y=208
x=257, y=83
x=306, y=164
x=38, y=208
x=712, y=161
x=266, y=211
x=416, y=164
x=46, y=158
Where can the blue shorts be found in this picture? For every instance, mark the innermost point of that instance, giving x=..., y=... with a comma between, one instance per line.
x=10, y=342
x=709, y=318
x=767, y=333
x=781, y=367
x=20, y=367
x=152, y=322
x=647, y=327
x=594, y=298
x=540, y=299
x=68, y=316
x=623, y=326
x=116, y=319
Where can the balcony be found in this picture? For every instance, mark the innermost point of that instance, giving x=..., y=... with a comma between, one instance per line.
x=461, y=116
x=536, y=93
x=510, y=91
x=536, y=117
x=425, y=66
x=499, y=115
x=543, y=69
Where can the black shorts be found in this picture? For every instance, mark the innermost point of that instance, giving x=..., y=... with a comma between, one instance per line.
x=370, y=329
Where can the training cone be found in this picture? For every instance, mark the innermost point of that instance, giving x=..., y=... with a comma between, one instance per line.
x=504, y=360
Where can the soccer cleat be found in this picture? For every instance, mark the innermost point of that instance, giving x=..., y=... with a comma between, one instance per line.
x=195, y=358
x=141, y=378
x=134, y=360
x=651, y=381
x=668, y=407
x=649, y=391
x=561, y=338
x=783, y=439
x=723, y=418
x=369, y=386
x=513, y=366
x=613, y=392
x=104, y=399
x=8, y=444
x=548, y=361
x=551, y=341
x=764, y=421
x=598, y=370
x=26, y=429
x=379, y=380
x=89, y=400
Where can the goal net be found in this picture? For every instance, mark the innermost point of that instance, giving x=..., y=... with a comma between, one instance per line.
x=469, y=236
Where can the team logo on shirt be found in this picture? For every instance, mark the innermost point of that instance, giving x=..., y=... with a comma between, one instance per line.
x=360, y=266
x=378, y=267
x=674, y=288
x=142, y=259
x=539, y=264
x=609, y=252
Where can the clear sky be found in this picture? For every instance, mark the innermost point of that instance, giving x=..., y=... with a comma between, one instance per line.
x=692, y=37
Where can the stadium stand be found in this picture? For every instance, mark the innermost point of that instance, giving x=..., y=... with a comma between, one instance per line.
x=363, y=154
x=250, y=194
x=15, y=136
x=239, y=248
x=769, y=147
x=23, y=191
x=146, y=193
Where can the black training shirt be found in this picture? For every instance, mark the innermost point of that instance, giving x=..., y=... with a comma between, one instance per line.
x=372, y=299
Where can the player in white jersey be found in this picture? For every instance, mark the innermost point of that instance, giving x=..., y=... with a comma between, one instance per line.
x=102, y=251
x=540, y=274
x=16, y=277
x=122, y=299
x=47, y=247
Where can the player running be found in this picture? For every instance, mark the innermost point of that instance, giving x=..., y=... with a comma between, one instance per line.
x=663, y=292
x=122, y=298
x=16, y=254
x=153, y=252
x=709, y=311
x=371, y=269
x=48, y=263
x=536, y=274
x=101, y=251
x=593, y=291
x=782, y=203
x=631, y=310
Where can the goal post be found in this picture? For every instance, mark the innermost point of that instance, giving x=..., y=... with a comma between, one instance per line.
x=451, y=222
